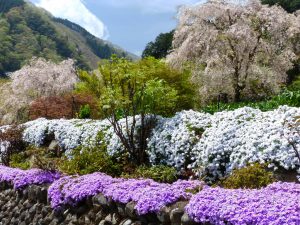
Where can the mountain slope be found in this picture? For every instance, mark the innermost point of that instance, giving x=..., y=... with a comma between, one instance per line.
x=101, y=48
x=27, y=31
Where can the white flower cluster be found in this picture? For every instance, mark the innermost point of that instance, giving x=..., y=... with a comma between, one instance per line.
x=245, y=136
x=4, y=145
x=73, y=133
x=69, y=133
x=212, y=145
x=173, y=139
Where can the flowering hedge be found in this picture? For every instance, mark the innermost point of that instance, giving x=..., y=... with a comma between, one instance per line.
x=148, y=195
x=229, y=140
x=23, y=178
x=212, y=145
x=69, y=133
x=277, y=204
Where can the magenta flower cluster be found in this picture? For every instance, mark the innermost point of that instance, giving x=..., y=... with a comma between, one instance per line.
x=22, y=178
x=277, y=204
x=148, y=195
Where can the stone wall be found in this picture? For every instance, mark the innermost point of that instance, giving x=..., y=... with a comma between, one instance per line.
x=31, y=206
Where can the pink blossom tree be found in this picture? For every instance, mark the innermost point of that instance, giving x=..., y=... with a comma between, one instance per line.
x=243, y=50
x=39, y=78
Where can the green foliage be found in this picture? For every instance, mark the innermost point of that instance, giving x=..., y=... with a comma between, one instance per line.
x=159, y=173
x=6, y=5
x=26, y=32
x=136, y=88
x=155, y=73
x=290, y=98
x=90, y=83
x=20, y=160
x=254, y=176
x=295, y=85
x=288, y=5
x=88, y=160
x=160, y=47
x=35, y=157
x=84, y=112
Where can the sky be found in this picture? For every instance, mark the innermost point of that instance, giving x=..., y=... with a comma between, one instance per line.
x=130, y=24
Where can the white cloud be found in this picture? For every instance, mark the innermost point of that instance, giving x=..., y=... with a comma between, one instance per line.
x=153, y=6
x=75, y=11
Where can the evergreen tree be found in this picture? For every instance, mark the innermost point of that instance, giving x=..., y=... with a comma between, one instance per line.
x=160, y=47
x=289, y=5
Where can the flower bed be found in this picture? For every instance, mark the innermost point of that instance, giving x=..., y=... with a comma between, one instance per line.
x=211, y=145
x=148, y=195
x=227, y=140
x=277, y=204
x=23, y=178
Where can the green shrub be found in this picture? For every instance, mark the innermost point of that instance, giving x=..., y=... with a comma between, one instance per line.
x=295, y=85
x=20, y=160
x=84, y=112
x=159, y=173
x=35, y=157
x=90, y=160
x=254, y=176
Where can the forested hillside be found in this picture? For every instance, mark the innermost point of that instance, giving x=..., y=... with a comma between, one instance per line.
x=27, y=31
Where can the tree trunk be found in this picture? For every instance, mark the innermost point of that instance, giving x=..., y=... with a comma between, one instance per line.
x=237, y=88
x=237, y=94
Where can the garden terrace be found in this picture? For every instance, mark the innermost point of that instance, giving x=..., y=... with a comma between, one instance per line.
x=51, y=198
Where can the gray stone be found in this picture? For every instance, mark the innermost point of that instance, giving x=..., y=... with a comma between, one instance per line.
x=116, y=218
x=137, y=223
x=54, y=146
x=104, y=222
x=42, y=195
x=99, y=216
x=164, y=215
x=108, y=218
x=126, y=222
x=129, y=210
x=87, y=220
x=100, y=199
x=175, y=216
x=186, y=220
x=121, y=209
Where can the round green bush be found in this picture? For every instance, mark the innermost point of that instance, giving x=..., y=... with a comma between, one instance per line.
x=90, y=160
x=253, y=176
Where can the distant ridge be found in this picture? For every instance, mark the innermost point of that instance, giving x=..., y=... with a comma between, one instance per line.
x=101, y=48
x=27, y=31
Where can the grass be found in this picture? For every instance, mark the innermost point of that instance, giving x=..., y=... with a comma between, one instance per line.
x=290, y=97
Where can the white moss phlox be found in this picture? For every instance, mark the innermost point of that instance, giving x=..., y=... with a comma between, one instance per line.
x=212, y=145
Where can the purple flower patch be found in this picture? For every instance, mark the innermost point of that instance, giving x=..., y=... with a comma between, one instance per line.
x=277, y=204
x=148, y=195
x=22, y=178
x=71, y=190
